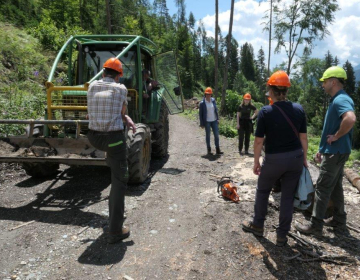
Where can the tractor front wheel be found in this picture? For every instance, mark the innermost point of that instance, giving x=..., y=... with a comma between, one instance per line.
x=139, y=153
x=160, y=136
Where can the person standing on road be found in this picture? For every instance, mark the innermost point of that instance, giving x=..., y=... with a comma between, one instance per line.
x=284, y=126
x=209, y=118
x=334, y=148
x=244, y=122
x=106, y=110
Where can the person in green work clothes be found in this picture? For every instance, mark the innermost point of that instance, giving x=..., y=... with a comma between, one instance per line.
x=106, y=100
x=334, y=150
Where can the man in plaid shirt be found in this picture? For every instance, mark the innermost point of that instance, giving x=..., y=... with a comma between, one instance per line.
x=107, y=103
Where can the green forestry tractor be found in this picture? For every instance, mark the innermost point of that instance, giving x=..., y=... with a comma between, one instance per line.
x=60, y=136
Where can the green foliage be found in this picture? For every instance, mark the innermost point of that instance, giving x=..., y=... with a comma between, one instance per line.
x=52, y=37
x=247, y=64
x=227, y=127
x=20, y=12
x=313, y=146
x=23, y=69
x=232, y=102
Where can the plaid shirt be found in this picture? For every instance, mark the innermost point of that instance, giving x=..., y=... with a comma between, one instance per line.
x=105, y=100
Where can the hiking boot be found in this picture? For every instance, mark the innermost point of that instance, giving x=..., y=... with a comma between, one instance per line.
x=218, y=152
x=209, y=151
x=281, y=241
x=118, y=236
x=246, y=152
x=309, y=228
x=250, y=227
x=333, y=223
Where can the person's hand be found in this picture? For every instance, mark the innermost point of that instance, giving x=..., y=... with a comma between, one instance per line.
x=257, y=168
x=130, y=124
x=331, y=138
x=318, y=158
x=305, y=163
x=238, y=127
x=146, y=95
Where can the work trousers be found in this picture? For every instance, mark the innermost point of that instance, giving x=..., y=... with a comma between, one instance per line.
x=329, y=186
x=215, y=128
x=287, y=166
x=114, y=144
x=244, y=132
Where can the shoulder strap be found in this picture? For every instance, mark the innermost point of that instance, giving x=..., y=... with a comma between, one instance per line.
x=288, y=120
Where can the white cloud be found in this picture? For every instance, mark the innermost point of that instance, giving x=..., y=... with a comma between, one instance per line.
x=343, y=41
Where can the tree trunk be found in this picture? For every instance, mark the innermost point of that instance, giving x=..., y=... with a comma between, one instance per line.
x=216, y=47
x=270, y=30
x=108, y=16
x=227, y=59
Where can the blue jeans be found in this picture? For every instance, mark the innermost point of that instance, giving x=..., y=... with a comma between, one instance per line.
x=215, y=128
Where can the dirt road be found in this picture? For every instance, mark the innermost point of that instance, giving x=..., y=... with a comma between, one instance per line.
x=180, y=227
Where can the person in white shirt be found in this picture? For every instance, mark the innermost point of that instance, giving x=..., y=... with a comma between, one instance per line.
x=209, y=118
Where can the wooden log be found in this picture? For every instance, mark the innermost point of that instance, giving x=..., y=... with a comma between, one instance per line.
x=353, y=177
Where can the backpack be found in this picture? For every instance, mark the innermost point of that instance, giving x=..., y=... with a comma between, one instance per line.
x=228, y=189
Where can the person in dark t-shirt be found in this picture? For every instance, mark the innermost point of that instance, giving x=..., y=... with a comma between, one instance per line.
x=284, y=126
x=244, y=122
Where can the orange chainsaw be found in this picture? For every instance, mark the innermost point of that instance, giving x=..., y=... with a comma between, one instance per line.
x=228, y=189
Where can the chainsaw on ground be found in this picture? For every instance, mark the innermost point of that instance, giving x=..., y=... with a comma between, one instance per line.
x=228, y=189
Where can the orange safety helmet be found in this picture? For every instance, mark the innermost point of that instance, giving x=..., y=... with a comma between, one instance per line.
x=279, y=78
x=208, y=90
x=247, y=96
x=114, y=64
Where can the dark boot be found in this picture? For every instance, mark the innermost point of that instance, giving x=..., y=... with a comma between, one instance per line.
x=218, y=152
x=309, y=228
x=281, y=241
x=209, y=151
x=118, y=236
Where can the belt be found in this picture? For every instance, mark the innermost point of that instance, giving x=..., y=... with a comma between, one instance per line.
x=107, y=132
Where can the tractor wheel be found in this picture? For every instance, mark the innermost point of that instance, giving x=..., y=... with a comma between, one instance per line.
x=39, y=170
x=139, y=153
x=160, y=136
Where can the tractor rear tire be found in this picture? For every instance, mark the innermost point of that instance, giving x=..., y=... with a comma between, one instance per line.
x=39, y=170
x=139, y=153
x=160, y=136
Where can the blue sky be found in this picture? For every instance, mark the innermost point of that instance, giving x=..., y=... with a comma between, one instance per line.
x=343, y=41
x=199, y=8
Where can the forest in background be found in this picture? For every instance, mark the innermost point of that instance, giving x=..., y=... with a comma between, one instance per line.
x=33, y=31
